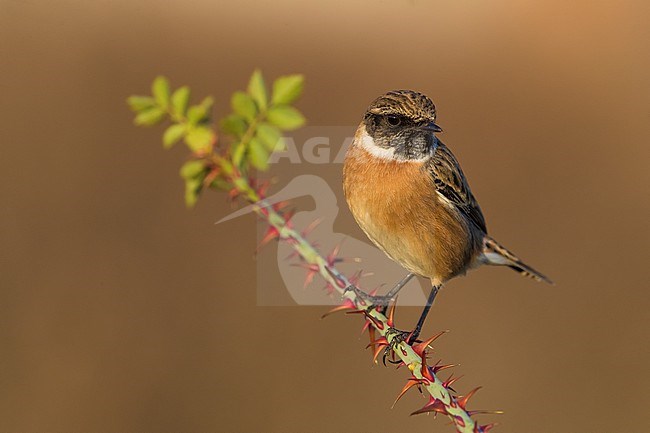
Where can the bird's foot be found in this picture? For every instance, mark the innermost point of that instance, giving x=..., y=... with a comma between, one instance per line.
x=381, y=302
x=399, y=336
x=395, y=338
x=376, y=301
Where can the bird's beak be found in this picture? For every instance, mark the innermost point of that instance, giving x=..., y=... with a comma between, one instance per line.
x=432, y=127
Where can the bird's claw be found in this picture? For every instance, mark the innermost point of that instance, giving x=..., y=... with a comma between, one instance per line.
x=376, y=301
x=398, y=337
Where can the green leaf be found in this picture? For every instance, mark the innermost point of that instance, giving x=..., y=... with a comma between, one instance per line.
x=220, y=183
x=207, y=103
x=195, y=114
x=194, y=172
x=180, y=99
x=150, y=117
x=285, y=117
x=233, y=125
x=173, y=134
x=193, y=168
x=139, y=103
x=258, y=155
x=257, y=90
x=199, y=138
x=160, y=91
x=238, y=152
x=244, y=105
x=270, y=137
x=192, y=190
x=200, y=113
x=287, y=89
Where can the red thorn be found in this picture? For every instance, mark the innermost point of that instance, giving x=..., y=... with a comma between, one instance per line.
x=347, y=305
x=329, y=288
x=261, y=187
x=233, y=194
x=312, y=271
x=356, y=312
x=483, y=412
x=294, y=255
x=378, y=350
x=486, y=428
x=434, y=405
x=332, y=257
x=271, y=233
x=280, y=205
x=462, y=401
x=420, y=347
x=413, y=381
x=459, y=421
x=336, y=278
x=371, y=332
x=311, y=227
x=391, y=314
x=449, y=382
x=381, y=341
x=379, y=325
x=356, y=277
x=437, y=368
x=309, y=278
x=426, y=371
x=287, y=216
x=367, y=327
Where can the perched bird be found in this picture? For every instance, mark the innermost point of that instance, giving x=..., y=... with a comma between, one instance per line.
x=409, y=195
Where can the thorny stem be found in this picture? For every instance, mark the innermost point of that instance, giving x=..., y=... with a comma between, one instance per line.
x=453, y=407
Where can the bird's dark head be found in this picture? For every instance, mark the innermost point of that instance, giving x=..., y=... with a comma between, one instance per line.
x=401, y=125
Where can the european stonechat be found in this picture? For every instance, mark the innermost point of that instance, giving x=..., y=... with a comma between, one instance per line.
x=409, y=195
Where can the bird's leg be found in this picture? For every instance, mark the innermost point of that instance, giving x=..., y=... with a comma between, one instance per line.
x=411, y=337
x=384, y=300
x=432, y=296
x=392, y=292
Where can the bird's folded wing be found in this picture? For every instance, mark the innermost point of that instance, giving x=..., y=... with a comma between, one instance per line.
x=450, y=183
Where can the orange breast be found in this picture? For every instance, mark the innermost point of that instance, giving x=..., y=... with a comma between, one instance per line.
x=396, y=205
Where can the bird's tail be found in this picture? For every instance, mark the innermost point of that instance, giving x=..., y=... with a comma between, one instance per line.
x=497, y=254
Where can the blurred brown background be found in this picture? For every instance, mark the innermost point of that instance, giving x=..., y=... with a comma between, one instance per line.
x=121, y=311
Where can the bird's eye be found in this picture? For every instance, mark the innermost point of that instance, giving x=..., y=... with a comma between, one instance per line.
x=393, y=120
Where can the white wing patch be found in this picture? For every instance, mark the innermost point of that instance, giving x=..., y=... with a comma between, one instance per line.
x=495, y=258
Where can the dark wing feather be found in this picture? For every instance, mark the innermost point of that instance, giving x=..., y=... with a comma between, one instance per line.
x=450, y=182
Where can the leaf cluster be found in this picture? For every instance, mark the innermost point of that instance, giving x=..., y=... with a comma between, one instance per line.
x=258, y=119
x=254, y=128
